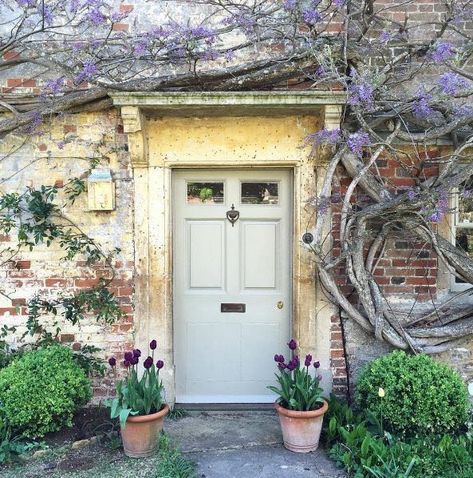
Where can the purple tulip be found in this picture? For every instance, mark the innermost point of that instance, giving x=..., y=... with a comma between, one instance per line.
x=153, y=344
x=112, y=361
x=128, y=356
x=291, y=365
x=317, y=364
x=297, y=360
x=126, y=363
x=134, y=360
x=308, y=360
x=148, y=363
x=159, y=364
x=292, y=344
x=281, y=366
x=279, y=358
x=137, y=353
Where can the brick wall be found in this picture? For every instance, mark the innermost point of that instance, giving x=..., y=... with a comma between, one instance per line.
x=408, y=267
x=55, y=154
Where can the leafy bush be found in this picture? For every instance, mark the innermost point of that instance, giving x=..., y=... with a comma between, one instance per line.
x=362, y=447
x=422, y=396
x=10, y=446
x=42, y=389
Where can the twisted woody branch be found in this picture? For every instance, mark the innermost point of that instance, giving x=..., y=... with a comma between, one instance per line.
x=408, y=85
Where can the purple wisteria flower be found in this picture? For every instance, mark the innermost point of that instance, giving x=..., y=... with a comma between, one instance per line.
x=89, y=69
x=450, y=83
x=421, y=107
x=292, y=344
x=411, y=194
x=148, y=363
x=324, y=136
x=159, y=364
x=47, y=13
x=339, y=3
x=308, y=360
x=96, y=17
x=153, y=344
x=54, y=86
x=385, y=36
x=290, y=4
x=112, y=361
x=443, y=51
x=357, y=141
x=361, y=92
x=311, y=16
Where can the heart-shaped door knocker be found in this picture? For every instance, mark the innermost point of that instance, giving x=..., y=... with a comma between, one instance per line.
x=233, y=215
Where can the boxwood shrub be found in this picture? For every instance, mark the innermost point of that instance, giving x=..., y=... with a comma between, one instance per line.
x=41, y=390
x=422, y=396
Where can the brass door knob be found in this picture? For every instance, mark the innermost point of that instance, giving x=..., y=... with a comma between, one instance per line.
x=280, y=304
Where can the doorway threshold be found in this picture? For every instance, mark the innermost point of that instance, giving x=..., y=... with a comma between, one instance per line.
x=224, y=407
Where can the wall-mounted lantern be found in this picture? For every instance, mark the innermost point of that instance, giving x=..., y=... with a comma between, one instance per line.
x=101, y=190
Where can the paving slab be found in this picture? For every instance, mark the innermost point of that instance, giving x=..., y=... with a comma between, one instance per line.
x=243, y=445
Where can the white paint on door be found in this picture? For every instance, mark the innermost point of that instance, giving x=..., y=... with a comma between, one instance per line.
x=227, y=357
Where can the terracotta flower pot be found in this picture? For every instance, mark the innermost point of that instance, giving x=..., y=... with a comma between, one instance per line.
x=301, y=430
x=141, y=432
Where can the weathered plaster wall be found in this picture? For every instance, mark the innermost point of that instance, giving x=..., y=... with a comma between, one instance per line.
x=57, y=152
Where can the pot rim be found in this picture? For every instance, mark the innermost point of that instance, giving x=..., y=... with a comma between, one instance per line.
x=148, y=418
x=300, y=413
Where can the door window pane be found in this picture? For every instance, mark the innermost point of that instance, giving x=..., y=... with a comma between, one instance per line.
x=259, y=193
x=465, y=207
x=205, y=193
x=464, y=240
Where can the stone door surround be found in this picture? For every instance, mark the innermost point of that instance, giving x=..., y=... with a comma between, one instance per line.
x=222, y=130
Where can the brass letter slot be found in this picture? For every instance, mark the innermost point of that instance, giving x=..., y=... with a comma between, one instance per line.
x=241, y=308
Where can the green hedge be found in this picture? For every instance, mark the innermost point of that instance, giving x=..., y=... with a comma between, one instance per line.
x=422, y=395
x=40, y=391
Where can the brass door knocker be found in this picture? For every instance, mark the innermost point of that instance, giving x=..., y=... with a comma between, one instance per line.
x=233, y=215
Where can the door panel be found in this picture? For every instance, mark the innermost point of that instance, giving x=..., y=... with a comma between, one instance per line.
x=227, y=356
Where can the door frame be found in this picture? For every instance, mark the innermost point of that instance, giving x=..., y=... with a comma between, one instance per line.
x=150, y=121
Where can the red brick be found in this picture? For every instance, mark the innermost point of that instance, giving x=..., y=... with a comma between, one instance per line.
x=67, y=338
x=125, y=291
x=120, y=27
x=338, y=353
x=8, y=310
x=21, y=82
x=16, y=302
x=22, y=265
x=56, y=282
x=11, y=55
x=70, y=128
x=124, y=8
x=86, y=282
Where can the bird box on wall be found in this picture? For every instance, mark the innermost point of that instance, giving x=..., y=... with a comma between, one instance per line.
x=101, y=190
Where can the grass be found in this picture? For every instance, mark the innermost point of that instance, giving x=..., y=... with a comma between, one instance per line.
x=172, y=464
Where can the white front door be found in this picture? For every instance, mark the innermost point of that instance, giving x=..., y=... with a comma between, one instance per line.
x=232, y=282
